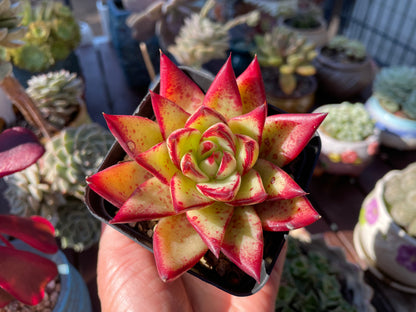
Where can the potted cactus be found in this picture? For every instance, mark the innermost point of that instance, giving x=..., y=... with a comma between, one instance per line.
x=59, y=98
x=344, y=70
x=52, y=36
x=385, y=235
x=393, y=106
x=205, y=174
x=349, y=138
x=286, y=61
x=54, y=186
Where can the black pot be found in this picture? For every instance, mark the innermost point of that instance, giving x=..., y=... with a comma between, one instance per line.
x=244, y=285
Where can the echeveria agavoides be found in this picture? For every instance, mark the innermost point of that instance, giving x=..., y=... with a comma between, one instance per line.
x=209, y=169
x=24, y=275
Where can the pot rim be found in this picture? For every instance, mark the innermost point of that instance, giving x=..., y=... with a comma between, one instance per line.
x=349, y=67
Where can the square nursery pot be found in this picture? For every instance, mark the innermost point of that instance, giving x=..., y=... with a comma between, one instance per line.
x=233, y=281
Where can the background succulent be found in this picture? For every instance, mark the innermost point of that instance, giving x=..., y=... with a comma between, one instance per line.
x=348, y=122
x=202, y=39
x=350, y=48
x=287, y=51
x=52, y=34
x=58, y=95
x=28, y=194
x=400, y=198
x=73, y=154
x=395, y=89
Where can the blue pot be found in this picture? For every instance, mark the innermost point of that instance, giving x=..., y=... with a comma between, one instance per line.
x=396, y=132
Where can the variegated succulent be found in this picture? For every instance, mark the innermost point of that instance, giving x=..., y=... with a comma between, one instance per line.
x=209, y=169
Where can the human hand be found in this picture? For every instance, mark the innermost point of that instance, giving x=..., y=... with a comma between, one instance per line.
x=128, y=281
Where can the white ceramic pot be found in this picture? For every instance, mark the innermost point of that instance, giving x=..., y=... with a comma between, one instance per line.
x=343, y=157
x=396, y=132
x=384, y=244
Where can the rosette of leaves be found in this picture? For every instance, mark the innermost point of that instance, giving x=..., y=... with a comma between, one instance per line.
x=208, y=169
x=400, y=198
x=395, y=88
x=309, y=283
x=76, y=227
x=52, y=34
x=29, y=194
x=58, y=95
x=72, y=155
x=291, y=54
x=202, y=39
x=349, y=122
x=344, y=48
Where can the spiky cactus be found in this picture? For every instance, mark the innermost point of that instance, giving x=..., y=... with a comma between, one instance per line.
x=400, y=198
x=395, y=88
x=29, y=194
x=58, y=96
x=201, y=39
x=348, y=122
x=52, y=34
x=289, y=52
x=74, y=154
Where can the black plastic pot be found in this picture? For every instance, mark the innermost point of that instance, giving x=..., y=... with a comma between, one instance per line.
x=301, y=168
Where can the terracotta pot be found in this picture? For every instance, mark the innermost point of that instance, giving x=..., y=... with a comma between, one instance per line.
x=396, y=132
x=301, y=168
x=340, y=82
x=383, y=244
x=343, y=157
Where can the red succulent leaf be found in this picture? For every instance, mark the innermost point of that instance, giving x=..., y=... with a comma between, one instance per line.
x=286, y=214
x=19, y=148
x=223, y=95
x=5, y=298
x=251, y=87
x=118, y=182
x=35, y=231
x=176, y=86
x=24, y=275
x=286, y=135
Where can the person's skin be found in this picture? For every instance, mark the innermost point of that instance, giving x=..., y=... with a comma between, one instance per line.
x=128, y=281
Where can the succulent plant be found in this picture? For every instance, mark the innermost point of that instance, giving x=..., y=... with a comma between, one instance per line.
x=275, y=8
x=348, y=122
x=400, y=198
x=287, y=51
x=76, y=227
x=58, y=96
x=28, y=194
x=215, y=161
x=24, y=275
x=10, y=29
x=352, y=49
x=201, y=39
x=395, y=88
x=52, y=34
x=309, y=283
x=74, y=154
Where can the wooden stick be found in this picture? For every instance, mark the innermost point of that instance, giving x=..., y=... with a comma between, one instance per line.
x=147, y=61
x=25, y=105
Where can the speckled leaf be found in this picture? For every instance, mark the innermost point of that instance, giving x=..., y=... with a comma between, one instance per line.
x=135, y=134
x=286, y=214
x=151, y=200
x=243, y=241
x=177, y=246
x=210, y=222
x=223, y=94
x=250, y=124
x=222, y=190
x=251, y=190
x=169, y=115
x=117, y=183
x=176, y=86
x=277, y=183
x=247, y=153
x=204, y=118
x=182, y=141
